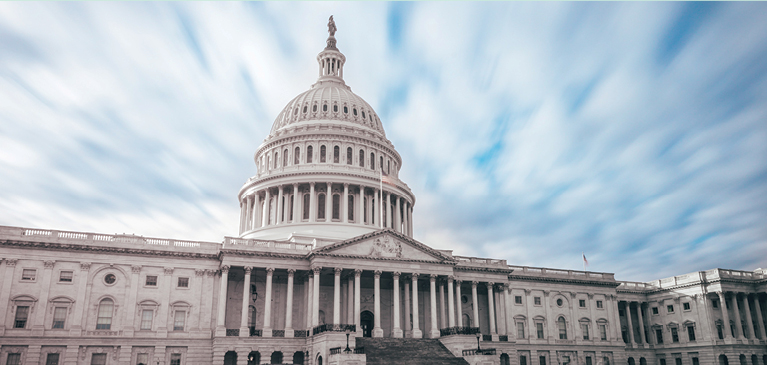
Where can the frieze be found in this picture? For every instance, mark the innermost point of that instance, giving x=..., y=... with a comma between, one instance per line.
x=611, y=284
x=107, y=249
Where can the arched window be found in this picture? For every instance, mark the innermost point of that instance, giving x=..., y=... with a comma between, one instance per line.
x=230, y=358
x=252, y=318
x=104, y=320
x=321, y=206
x=276, y=158
x=290, y=208
x=372, y=161
x=322, y=154
x=268, y=161
x=297, y=156
x=254, y=358
x=562, y=328
x=362, y=158
x=388, y=167
x=298, y=358
x=309, y=151
x=380, y=162
x=350, y=209
x=348, y=155
x=306, y=206
x=336, y=206
x=336, y=154
x=365, y=211
x=276, y=357
x=285, y=157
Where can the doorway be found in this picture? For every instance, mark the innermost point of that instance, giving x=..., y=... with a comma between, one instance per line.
x=366, y=322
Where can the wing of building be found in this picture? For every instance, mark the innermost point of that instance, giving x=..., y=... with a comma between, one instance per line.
x=325, y=270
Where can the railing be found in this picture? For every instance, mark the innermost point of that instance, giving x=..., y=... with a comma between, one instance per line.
x=255, y=333
x=480, y=261
x=503, y=338
x=574, y=274
x=243, y=243
x=458, y=331
x=487, y=337
x=359, y=350
x=278, y=333
x=232, y=332
x=474, y=352
x=334, y=328
x=335, y=351
x=339, y=350
x=301, y=333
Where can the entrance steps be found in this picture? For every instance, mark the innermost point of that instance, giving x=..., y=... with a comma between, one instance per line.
x=407, y=351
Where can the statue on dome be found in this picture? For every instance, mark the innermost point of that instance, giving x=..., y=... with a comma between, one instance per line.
x=332, y=26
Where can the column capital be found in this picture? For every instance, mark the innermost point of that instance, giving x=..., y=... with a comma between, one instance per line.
x=168, y=270
x=84, y=266
x=248, y=269
x=210, y=272
x=396, y=274
x=378, y=273
x=346, y=185
x=337, y=271
x=199, y=272
x=357, y=273
x=458, y=281
x=269, y=270
x=528, y=291
x=49, y=264
x=433, y=277
x=295, y=186
x=291, y=272
x=474, y=284
x=316, y=270
x=490, y=284
x=224, y=269
x=414, y=276
x=450, y=278
x=312, y=184
x=136, y=269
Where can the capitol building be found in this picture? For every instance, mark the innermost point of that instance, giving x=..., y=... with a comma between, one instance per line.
x=325, y=270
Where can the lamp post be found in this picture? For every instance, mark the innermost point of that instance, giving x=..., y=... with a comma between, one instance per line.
x=347, y=350
x=479, y=350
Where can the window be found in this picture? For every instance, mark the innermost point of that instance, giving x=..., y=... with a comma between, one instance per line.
x=670, y=308
x=539, y=329
x=104, y=321
x=691, y=333
x=678, y=361
x=585, y=330
x=560, y=302
x=606, y=360
x=306, y=206
x=346, y=110
x=562, y=328
x=662, y=361
x=655, y=310
x=520, y=329
x=276, y=159
x=285, y=155
x=183, y=282
x=335, y=108
x=542, y=360
x=565, y=359
x=380, y=162
x=719, y=331
x=146, y=319
x=336, y=154
x=28, y=274
x=13, y=359
x=350, y=208
x=59, y=316
x=362, y=158
x=674, y=335
x=354, y=111
x=348, y=155
x=110, y=279
x=537, y=300
x=178, y=320
x=599, y=304
x=297, y=156
x=336, y=206
x=582, y=303
x=715, y=303
x=695, y=361
x=142, y=359
x=321, y=206
x=175, y=359
x=151, y=280
x=659, y=335
x=603, y=332
x=322, y=154
x=372, y=161
x=324, y=107
x=52, y=359
x=588, y=360
x=522, y=360
x=309, y=154
x=518, y=299
x=99, y=359
x=686, y=306
x=22, y=314
x=66, y=276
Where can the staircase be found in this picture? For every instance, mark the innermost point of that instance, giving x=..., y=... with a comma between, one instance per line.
x=407, y=351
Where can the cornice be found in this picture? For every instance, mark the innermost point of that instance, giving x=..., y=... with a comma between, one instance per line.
x=106, y=249
x=483, y=269
x=689, y=285
x=381, y=232
x=610, y=284
x=263, y=254
x=364, y=257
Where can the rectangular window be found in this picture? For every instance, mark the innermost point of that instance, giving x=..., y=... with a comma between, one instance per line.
x=606, y=360
x=66, y=276
x=670, y=308
x=518, y=299
x=588, y=360
x=183, y=282
x=719, y=331
x=522, y=360
x=599, y=304
x=146, y=319
x=686, y=306
x=662, y=361
x=603, y=332
x=22, y=314
x=674, y=335
x=537, y=300
x=13, y=359
x=655, y=310
x=678, y=361
x=585, y=330
x=151, y=280
x=565, y=359
x=659, y=335
x=621, y=312
x=175, y=359
x=582, y=303
x=715, y=303
x=28, y=274
x=142, y=359
x=178, y=320
x=691, y=333
x=539, y=329
x=99, y=359
x=52, y=359
x=541, y=360
x=59, y=316
x=695, y=361
x=520, y=329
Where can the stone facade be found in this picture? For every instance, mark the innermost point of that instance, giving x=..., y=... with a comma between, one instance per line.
x=325, y=254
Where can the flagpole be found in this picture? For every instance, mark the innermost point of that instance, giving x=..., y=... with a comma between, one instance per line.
x=380, y=201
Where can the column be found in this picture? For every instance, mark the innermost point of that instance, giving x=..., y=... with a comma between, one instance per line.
x=458, y=304
x=357, y=273
x=475, y=303
x=416, y=328
x=243, y=213
x=396, y=331
x=244, y=330
x=507, y=309
x=361, y=211
x=312, y=203
x=434, y=332
x=616, y=319
x=629, y=323
x=221, y=315
x=410, y=219
x=38, y=322
x=350, y=300
x=442, y=305
x=491, y=307
x=255, y=222
x=289, y=305
x=377, y=330
x=450, y=303
x=337, y=295
x=398, y=220
x=131, y=309
x=726, y=329
x=345, y=203
x=759, y=318
x=387, y=209
x=265, y=213
x=749, y=319
x=738, y=323
x=267, y=332
x=280, y=206
x=374, y=208
x=296, y=203
x=640, y=316
x=316, y=297
x=408, y=328
x=308, y=313
x=329, y=203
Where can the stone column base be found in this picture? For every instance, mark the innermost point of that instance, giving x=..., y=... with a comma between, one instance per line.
x=397, y=333
x=495, y=337
x=290, y=333
x=266, y=332
x=244, y=332
x=417, y=334
x=220, y=331
x=378, y=332
x=434, y=333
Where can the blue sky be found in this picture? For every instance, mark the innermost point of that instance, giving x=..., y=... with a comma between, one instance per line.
x=633, y=132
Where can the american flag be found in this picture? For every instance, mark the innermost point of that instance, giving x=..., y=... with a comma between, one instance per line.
x=385, y=178
x=585, y=262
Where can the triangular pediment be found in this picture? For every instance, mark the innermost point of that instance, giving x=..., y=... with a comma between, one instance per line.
x=384, y=244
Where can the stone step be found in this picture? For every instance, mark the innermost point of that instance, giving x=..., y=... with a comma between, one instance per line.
x=407, y=351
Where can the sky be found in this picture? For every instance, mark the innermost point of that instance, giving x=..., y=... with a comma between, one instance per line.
x=634, y=133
